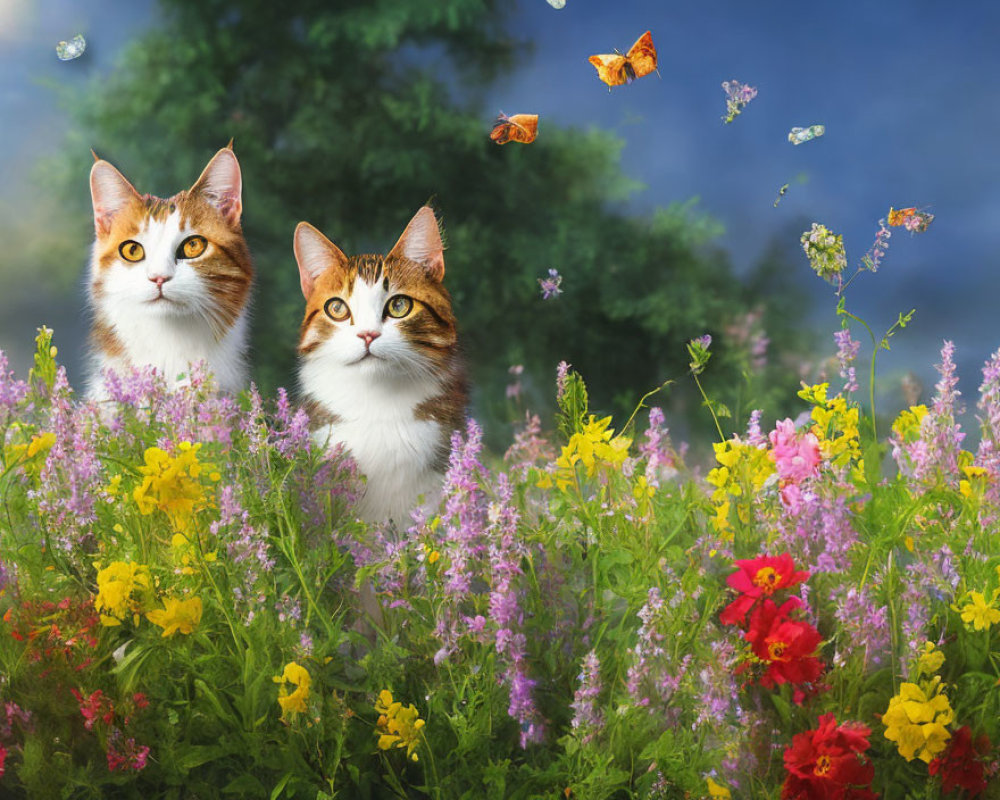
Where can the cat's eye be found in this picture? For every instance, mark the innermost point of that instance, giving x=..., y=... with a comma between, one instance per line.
x=192, y=247
x=131, y=251
x=399, y=306
x=336, y=309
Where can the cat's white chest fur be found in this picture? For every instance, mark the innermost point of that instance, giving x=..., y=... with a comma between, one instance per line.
x=376, y=421
x=171, y=345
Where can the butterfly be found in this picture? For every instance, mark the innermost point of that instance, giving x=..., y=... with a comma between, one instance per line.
x=911, y=219
x=518, y=128
x=616, y=69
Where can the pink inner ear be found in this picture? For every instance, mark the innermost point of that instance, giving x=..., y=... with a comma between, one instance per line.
x=110, y=193
x=421, y=242
x=221, y=183
x=315, y=254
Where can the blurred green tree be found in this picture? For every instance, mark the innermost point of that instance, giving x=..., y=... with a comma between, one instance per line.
x=348, y=115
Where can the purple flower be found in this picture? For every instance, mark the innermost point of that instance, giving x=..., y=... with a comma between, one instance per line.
x=847, y=351
x=588, y=719
x=933, y=457
x=738, y=95
x=550, y=285
x=12, y=392
x=562, y=374
x=873, y=258
x=864, y=628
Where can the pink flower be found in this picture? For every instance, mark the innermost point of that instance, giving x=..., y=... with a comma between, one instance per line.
x=797, y=457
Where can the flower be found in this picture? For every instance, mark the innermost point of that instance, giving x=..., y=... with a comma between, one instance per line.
x=930, y=660
x=827, y=763
x=916, y=720
x=595, y=445
x=550, y=285
x=171, y=484
x=117, y=586
x=738, y=95
x=825, y=251
x=94, y=707
x=717, y=790
x=294, y=702
x=588, y=719
x=756, y=578
x=787, y=646
x=978, y=613
x=125, y=754
x=397, y=727
x=959, y=767
x=177, y=616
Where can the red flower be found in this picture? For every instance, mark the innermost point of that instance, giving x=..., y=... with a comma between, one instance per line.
x=959, y=765
x=827, y=763
x=787, y=646
x=3, y=760
x=94, y=707
x=756, y=578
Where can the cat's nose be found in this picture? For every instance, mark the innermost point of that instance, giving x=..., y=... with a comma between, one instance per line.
x=159, y=280
x=369, y=337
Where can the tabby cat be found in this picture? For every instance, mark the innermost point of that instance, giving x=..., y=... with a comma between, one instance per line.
x=170, y=278
x=379, y=362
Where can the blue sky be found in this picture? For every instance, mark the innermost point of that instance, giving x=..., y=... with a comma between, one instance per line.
x=907, y=93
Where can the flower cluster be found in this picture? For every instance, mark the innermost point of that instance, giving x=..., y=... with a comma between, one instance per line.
x=785, y=647
x=825, y=251
x=397, y=727
x=738, y=95
x=594, y=446
x=916, y=720
x=123, y=588
x=744, y=469
x=170, y=484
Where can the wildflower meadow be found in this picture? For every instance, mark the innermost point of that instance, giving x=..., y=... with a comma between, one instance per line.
x=190, y=608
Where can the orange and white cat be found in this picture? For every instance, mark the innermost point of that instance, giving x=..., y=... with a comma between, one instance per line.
x=379, y=362
x=170, y=278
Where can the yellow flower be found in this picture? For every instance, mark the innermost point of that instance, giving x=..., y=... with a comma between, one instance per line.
x=907, y=424
x=930, y=660
x=177, y=616
x=595, y=445
x=397, y=727
x=117, y=585
x=114, y=485
x=916, y=720
x=717, y=790
x=41, y=443
x=170, y=484
x=975, y=479
x=295, y=702
x=980, y=614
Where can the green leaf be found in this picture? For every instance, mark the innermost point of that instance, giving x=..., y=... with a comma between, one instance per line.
x=281, y=785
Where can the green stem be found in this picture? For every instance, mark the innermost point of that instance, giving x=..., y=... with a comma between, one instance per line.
x=711, y=410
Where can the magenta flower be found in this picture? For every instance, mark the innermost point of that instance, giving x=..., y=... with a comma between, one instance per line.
x=795, y=455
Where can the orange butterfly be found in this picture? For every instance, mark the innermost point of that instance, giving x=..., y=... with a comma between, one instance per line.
x=617, y=69
x=899, y=216
x=518, y=128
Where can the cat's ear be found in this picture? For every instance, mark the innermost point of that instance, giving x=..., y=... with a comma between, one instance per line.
x=110, y=193
x=315, y=254
x=421, y=242
x=221, y=184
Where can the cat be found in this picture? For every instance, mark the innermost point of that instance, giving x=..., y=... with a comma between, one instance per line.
x=380, y=367
x=170, y=278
